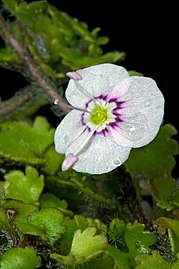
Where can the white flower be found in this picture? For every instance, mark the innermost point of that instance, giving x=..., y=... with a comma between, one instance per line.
x=112, y=113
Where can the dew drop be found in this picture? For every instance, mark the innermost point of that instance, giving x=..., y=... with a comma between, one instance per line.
x=56, y=102
x=147, y=103
x=66, y=139
x=117, y=162
x=132, y=130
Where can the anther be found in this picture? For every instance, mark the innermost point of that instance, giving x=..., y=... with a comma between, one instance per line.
x=69, y=161
x=74, y=75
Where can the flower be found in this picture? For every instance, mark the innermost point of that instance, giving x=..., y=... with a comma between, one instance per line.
x=112, y=113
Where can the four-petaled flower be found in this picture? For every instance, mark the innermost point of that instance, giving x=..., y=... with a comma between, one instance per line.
x=112, y=113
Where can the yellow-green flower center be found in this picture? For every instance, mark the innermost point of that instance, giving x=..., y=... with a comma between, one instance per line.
x=99, y=115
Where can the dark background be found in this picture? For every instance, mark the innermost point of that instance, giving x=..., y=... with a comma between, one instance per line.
x=147, y=32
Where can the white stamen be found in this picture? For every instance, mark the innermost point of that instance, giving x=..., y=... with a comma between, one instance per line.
x=74, y=75
x=69, y=161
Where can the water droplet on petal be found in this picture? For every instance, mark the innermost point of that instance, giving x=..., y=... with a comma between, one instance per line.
x=117, y=162
x=132, y=130
x=147, y=103
x=66, y=139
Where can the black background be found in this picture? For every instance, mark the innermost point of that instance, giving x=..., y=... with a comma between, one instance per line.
x=147, y=32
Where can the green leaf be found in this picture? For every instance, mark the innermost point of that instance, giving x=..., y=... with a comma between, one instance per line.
x=135, y=73
x=22, y=142
x=50, y=200
x=20, y=218
x=6, y=55
x=20, y=258
x=175, y=265
x=116, y=229
x=156, y=157
x=50, y=221
x=121, y=258
x=85, y=246
x=21, y=210
x=153, y=261
x=99, y=263
x=82, y=223
x=25, y=12
x=163, y=187
x=53, y=161
x=138, y=240
x=174, y=199
x=24, y=187
x=133, y=239
x=172, y=227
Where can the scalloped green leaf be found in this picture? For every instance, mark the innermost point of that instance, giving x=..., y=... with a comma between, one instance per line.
x=133, y=239
x=157, y=157
x=164, y=190
x=20, y=258
x=24, y=187
x=79, y=223
x=50, y=221
x=137, y=239
x=154, y=261
x=26, y=143
x=116, y=229
x=85, y=246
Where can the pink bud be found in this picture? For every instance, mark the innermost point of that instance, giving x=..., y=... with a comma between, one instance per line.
x=74, y=75
x=69, y=161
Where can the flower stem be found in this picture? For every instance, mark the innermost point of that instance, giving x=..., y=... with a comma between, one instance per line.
x=32, y=69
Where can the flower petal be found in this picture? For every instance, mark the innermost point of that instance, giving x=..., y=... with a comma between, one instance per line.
x=143, y=98
x=67, y=131
x=132, y=129
x=102, y=155
x=96, y=80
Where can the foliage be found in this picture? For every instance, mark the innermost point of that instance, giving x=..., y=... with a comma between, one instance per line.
x=54, y=219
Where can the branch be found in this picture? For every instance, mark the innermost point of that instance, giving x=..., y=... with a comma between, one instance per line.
x=16, y=101
x=32, y=68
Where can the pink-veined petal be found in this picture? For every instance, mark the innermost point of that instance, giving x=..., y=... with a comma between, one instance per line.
x=131, y=130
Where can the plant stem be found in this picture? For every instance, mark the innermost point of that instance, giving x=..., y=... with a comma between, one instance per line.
x=11, y=105
x=32, y=69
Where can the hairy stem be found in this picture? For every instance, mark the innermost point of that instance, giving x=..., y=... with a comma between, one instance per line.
x=32, y=69
x=16, y=101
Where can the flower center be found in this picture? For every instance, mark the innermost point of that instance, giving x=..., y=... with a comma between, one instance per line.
x=98, y=115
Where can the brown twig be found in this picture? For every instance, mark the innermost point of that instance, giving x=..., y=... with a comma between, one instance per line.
x=31, y=67
x=11, y=105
